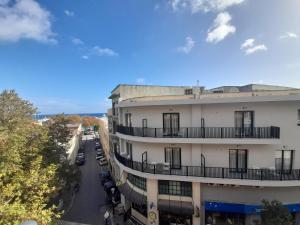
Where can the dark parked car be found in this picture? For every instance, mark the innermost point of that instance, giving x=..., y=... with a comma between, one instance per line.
x=98, y=147
x=80, y=161
x=105, y=176
x=108, y=185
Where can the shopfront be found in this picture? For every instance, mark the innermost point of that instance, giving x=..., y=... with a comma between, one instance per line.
x=175, y=212
x=219, y=213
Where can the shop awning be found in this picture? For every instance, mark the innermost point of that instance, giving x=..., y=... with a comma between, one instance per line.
x=132, y=195
x=176, y=207
x=242, y=208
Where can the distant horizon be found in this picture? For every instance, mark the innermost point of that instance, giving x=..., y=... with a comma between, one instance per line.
x=42, y=116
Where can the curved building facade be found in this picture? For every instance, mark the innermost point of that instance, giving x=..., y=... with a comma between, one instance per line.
x=185, y=155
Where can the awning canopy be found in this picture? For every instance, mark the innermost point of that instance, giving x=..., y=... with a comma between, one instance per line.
x=176, y=207
x=242, y=208
x=132, y=195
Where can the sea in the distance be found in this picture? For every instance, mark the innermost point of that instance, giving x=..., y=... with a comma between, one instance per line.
x=42, y=116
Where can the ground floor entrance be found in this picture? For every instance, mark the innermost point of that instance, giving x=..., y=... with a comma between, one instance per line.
x=166, y=218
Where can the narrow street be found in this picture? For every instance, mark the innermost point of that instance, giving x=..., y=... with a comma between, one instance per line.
x=89, y=203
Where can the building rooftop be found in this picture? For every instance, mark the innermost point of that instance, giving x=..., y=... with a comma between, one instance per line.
x=136, y=94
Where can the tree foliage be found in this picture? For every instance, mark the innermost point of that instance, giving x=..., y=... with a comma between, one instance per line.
x=73, y=119
x=32, y=162
x=274, y=213
x=89, y=121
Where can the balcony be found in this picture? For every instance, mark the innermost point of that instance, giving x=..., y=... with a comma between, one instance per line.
x=211, y=172
x=203, y=132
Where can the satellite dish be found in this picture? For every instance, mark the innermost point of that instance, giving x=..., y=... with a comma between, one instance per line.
x=29, y=222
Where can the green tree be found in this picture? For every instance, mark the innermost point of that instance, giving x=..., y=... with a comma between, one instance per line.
x=14, y=110
x=26, y=183
x=274, y=213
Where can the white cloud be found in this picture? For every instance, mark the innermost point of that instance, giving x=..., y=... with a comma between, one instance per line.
x=248, y=43
x=188, y=46
x=85, y=57
x=140, y=80
x=25, y=19
x=203, y=5
x=103, y=51
x=77, y=41
x=255, y=49
x=69, y=13
x=221, y=28
x=288, y=35
x=249, y=46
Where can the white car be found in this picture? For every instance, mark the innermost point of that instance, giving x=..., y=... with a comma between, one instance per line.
x=102, y=162
x=100, y=157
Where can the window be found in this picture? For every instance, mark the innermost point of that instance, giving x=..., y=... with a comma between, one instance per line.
x=139, y=182
x=175, y=188
x=238, y=160
x=188, y=91
x=170, y=124
x=298, y=117
x=129, y=149
x=144, y=123
x=128, y=122
x=113, y=108
x=173, y=157
x=142, y=209
x=284, y=160
x=244, y=122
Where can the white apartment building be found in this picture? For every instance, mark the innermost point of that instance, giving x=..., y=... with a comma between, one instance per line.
x=186, y=155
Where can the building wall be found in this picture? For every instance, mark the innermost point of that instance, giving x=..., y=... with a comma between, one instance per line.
x=249, y=195
x=259, y=156
x=281, y=114
x=73, y=146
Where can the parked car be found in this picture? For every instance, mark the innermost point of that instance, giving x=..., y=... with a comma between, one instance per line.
x=80, y=161
x=100, y=157
x=108, y=185
x=98, y=147
x=102, y=162
x=99, y=151
x=105, y=177
x=80, y=154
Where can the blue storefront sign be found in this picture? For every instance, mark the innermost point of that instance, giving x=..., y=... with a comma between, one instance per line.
x=242, y=208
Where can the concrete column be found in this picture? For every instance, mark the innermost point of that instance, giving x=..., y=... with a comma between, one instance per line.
x=152, y=201
x=197, y=203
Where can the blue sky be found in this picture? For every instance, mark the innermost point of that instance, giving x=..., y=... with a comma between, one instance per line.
x=67, y=56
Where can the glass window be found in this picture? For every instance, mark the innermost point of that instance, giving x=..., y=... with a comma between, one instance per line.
x=144, y=122
x=173, y=157
x=238, y=160
x=137, y=181
x=142, y=209
x=129, y=149
x=128, y=121
x=171, y=124
x=175, y=188
x=284, y=160
x=188, y=91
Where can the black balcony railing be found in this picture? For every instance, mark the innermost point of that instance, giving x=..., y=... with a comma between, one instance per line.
x=212, y=172
x=203, y=132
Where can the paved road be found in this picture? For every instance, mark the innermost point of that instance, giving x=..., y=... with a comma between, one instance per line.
x=89, y=204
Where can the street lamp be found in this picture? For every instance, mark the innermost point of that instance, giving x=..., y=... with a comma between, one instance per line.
x=106, y=216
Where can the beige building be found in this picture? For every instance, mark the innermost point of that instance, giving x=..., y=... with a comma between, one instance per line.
x=186, y=155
